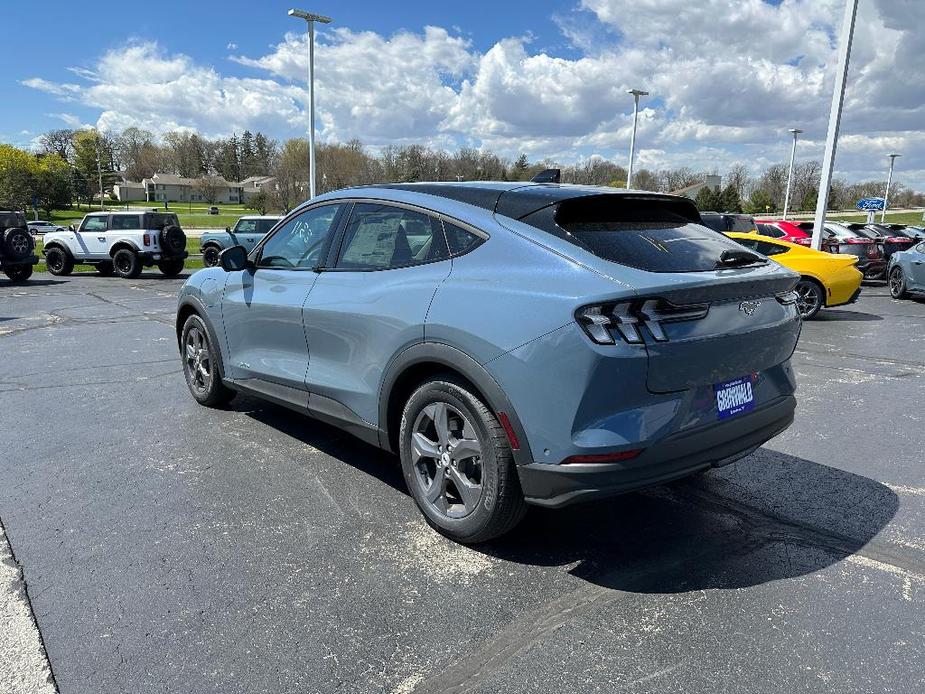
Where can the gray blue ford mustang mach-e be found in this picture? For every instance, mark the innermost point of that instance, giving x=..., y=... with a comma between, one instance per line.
x=513, y=343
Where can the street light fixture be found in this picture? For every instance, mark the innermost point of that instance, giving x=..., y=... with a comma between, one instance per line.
x=636, y=94
x=310, y=20
x=793, y=152
x=889, y=182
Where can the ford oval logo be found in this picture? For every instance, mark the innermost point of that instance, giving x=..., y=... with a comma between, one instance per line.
x=749, y=307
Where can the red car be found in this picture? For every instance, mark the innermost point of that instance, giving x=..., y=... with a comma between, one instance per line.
x=794, y=232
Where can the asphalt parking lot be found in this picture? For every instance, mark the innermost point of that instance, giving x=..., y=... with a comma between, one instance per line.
x=167, y=547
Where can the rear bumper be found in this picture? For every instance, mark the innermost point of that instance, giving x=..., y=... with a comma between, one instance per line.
x=30, y=260
x=151, y=257
x=674, y=457
x=872, y=269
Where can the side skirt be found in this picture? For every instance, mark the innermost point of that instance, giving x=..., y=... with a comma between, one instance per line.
x=318, y=407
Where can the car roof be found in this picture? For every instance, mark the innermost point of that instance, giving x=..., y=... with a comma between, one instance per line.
x=260, y=216
x=511, y=199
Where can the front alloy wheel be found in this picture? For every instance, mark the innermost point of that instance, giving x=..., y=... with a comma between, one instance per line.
x=809, y=298
x=897, y=283
x=200, y=365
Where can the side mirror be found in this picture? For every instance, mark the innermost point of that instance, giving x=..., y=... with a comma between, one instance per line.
x=70, y=227
x=227, y=230
x=233, y=259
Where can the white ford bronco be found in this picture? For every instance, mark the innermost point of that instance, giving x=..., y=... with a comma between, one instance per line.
x=119, y=242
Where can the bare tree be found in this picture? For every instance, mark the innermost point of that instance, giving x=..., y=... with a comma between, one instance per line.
x=209, y=186
x=738, y=178
x=60, y=142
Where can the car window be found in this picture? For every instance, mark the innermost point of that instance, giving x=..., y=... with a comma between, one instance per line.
x=95, y=224
x=770, y=230
x=125, y=221
x=303, y=241
x=379, y=237
x=764, y=247
x=652, y=235
x=920, y=248
x=459, y=239
x=740, y=223
x=245, y=226
x=264, y=225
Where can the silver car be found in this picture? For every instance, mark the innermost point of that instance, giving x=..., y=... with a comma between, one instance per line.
x=907, y=272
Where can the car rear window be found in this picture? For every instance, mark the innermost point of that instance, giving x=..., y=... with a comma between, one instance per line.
x=653, y=235
x=159, y=220
x=9, y=220
x=264, y=225
x=770, y=230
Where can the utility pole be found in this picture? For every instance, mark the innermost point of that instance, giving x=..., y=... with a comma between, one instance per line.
x=311, y=19
x=889, y=182
x=793, y=153
x=99, y=166
x=831, y=138
x=636, y=94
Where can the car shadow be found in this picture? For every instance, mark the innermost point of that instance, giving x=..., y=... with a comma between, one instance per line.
x=834, y=315
x=328, y=439
x=31, y=283
x=768, y=517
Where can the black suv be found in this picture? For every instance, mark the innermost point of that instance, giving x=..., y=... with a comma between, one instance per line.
x=728, y=221
x=17, y=249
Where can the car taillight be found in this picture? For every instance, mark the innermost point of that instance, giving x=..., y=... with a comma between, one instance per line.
x=147, y=239
x=604, y=323
x=855, y=239
x=805, y=242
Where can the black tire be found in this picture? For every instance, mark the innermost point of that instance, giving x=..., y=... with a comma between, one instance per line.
x=105, y=269
x=172, y=240
x=126, y=263
x=171, y=267
x=58, y=261
x=202, y=372
x=498, y=505
x=811, y=298
x=18, y=273
x=898, y=283
x=17, y=244
x=210, y=256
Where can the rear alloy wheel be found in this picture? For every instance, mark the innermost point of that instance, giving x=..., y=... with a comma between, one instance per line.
x=458, y=464
x=897, y=283
x=18, y=273
x=810, y=298
x=127, y=263
x=58, y=262
x=210, y=256
x=171, y=267
x=105, y=269
x=200, y=365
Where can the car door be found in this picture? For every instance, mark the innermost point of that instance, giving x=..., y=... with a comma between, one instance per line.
x=917, y=266
x=245, y=231
x=119, y=226
x=262, y=305
x=372, y=303
x=92, y=237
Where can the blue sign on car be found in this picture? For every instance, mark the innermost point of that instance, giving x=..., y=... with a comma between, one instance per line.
x=870, y=204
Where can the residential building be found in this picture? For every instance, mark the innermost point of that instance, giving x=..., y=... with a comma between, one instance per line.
x=691, y=191
x=128, y=191
x=167, y=187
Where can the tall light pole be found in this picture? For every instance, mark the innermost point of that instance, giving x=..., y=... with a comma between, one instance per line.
x=311, y=19
x=793, y=153
x=889, y=182
x=831, y=138
x=636, y=94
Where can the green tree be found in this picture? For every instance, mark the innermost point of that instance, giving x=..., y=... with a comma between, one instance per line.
x=260, y=201
x=53, y=190
x=708, y=199
x=729, y=200
x=760, y=202
x=809, y=200
x=93, y=159
x=520, y=168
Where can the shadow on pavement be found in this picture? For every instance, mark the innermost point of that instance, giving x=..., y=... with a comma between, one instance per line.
x=768, y=517
x=834, y=315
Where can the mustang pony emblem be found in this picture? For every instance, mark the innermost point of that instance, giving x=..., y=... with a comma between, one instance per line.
x=749, y=307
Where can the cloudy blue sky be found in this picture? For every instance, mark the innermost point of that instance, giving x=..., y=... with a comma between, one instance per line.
x=546, y=77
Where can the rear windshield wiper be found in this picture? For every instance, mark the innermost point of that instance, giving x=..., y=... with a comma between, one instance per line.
x=736, y=258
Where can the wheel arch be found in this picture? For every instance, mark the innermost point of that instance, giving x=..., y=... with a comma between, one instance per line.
x=189, y=306
x=122, y=244
x=422, y=361
x=57, y=244
x=819, y=283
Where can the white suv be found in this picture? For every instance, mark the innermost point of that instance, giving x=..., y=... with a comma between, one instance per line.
x=120, y=242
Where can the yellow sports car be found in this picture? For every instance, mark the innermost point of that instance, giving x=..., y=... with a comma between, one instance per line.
x=827, y=279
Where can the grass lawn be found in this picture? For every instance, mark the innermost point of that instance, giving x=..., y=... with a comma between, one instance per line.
x=913, y=218
x=197, y=219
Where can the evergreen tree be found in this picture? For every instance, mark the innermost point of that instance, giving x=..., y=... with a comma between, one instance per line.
x=760, y=202
x=729, y=200
x=520, y=168
x=708, y=200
